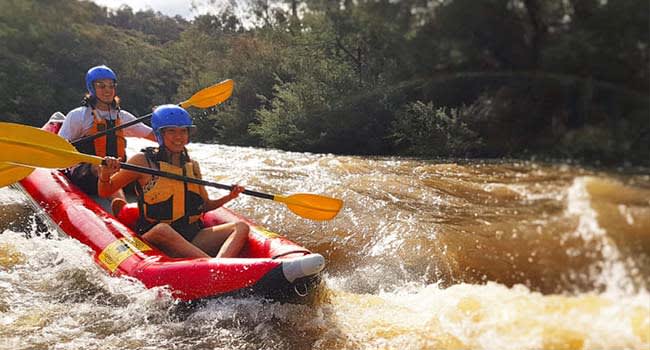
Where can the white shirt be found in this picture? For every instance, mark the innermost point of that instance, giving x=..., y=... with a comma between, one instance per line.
x=78, y=123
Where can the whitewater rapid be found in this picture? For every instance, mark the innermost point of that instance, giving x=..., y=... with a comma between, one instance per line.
x=424, y=255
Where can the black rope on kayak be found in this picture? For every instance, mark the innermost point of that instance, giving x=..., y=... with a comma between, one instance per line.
x=301, y=294
x=304, y=251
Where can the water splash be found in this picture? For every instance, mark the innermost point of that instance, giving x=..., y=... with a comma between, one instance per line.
x=611, y=271
x=423, y=255
x=490, y=316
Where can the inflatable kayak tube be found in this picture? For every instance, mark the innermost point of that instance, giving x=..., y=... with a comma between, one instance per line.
x=269, y=266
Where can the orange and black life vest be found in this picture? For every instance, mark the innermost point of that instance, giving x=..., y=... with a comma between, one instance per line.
x=112, y=144
x=169, y=201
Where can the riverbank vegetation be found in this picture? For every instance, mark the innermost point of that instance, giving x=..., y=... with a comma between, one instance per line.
x=454, y=78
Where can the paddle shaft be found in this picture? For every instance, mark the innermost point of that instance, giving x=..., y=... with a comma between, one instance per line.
x=150, y=171
x=205, y=98
x=111, y=130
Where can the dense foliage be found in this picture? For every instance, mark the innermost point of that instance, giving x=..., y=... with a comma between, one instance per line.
x=446, y=78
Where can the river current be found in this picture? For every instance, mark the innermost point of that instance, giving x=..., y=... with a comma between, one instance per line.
x=423, y=255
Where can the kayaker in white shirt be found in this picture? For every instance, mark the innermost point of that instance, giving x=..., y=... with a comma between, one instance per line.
x=100, y=111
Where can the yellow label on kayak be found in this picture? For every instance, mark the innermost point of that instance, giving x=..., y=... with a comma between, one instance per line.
x=115, y=253
x=265, y=232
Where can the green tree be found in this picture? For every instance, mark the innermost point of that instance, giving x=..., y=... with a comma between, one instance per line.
x=423, y=130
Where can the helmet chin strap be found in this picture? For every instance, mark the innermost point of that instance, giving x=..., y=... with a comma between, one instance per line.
x=168, y=154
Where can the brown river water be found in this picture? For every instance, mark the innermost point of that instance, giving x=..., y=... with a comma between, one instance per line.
x=424, y=255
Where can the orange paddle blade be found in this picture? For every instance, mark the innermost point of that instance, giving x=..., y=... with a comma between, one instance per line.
x=37, y=148
x=210, y=96
x=311, y=206
x=10, y=173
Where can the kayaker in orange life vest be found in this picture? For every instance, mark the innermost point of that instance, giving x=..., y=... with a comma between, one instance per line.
x=169, y=209
x=100, y=110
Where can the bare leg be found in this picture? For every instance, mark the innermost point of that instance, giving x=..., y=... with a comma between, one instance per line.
x=223, y=241
x=118, y=194
x=165, y=238
x=117, y=204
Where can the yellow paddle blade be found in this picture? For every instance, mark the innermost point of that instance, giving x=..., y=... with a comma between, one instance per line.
x=311, y=206
x=210, y=96
x=33, y=147
x=10, y=173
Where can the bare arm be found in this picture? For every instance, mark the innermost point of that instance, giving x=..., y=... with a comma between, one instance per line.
x=137, y=130
x=111, y=178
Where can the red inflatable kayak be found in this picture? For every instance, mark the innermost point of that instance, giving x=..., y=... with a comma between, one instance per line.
x=269, y=266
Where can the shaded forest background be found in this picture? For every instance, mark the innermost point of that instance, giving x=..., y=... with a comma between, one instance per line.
x=567, y=79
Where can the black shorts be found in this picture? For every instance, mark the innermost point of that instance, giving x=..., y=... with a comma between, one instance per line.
x=188, y=231
x=83, y=177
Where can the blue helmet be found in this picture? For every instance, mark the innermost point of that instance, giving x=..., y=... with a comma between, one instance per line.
x=97, y=73
x=166, y=116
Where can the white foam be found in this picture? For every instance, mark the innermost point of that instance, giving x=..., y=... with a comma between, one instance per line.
x=611, y=271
